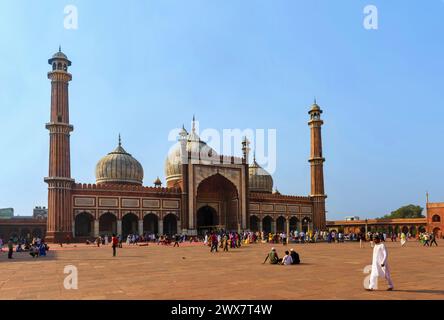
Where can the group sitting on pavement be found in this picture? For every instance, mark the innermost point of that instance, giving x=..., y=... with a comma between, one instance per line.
x=290, y=257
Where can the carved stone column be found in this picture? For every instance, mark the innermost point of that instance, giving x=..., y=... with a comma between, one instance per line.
x=140, y=222
x=96, y=228
x=273, y=226
x=119, y=226
x=160, y=226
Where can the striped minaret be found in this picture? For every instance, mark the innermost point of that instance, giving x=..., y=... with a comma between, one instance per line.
x=317, y=168
x=60, y=215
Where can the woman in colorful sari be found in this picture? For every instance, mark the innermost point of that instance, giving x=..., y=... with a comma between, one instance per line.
x=225, y=242
x=403, y=239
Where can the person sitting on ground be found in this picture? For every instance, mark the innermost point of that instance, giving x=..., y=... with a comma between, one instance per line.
x=287, y=260
x=295, y=257
x=272, y=257
x=42, y=249
x=34, y=251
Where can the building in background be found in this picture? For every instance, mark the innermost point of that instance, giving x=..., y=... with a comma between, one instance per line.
x=22, y=226
x=351, y=218
x=435, y=217
x=40, y=213
x=6, y=213
x=433, y=222
x=407, y=225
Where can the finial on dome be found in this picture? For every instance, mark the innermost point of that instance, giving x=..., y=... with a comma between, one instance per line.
x=194, y=123
x=315, y=107
x=60, y=48
x=120, y=140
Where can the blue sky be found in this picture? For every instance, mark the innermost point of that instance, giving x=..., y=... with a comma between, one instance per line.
x=142, y=68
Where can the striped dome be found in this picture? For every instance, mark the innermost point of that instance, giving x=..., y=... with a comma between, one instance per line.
x=199, y=151
x=259, y=179
x=119, y=167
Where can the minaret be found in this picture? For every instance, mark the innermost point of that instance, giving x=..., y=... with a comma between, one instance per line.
x=60, y=215
x=184, y=218
x=317, y=168
x=246, y=162
x=245, y=149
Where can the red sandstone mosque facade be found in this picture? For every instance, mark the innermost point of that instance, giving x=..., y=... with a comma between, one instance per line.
x=203, y=189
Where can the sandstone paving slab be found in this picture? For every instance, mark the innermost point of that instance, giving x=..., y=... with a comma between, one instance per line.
x=328, y=271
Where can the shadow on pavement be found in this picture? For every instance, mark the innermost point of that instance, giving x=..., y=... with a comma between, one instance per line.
x=421, y=291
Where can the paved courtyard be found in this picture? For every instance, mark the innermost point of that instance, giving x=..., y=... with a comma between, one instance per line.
x=328, y=271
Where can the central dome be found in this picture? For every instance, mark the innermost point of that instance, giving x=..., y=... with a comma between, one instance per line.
x=119, y=167
x=259, y=179
x=198, y=149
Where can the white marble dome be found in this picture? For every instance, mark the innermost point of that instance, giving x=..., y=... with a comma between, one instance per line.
x=119, y=167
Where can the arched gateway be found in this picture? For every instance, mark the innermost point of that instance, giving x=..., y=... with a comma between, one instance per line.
x=84, y=224
x=129, y=224
x=218, y=203
x=207, y=219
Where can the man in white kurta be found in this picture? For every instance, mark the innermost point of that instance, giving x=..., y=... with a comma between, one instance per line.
x=380, y=267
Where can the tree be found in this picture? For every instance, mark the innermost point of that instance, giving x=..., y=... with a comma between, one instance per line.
x=409, y=211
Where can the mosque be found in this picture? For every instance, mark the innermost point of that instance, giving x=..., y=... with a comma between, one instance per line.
x=203, y=190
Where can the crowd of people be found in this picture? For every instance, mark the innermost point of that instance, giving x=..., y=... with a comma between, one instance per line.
x=225, y=240
x=135, y=239
x=427, y=239
x=35, y=246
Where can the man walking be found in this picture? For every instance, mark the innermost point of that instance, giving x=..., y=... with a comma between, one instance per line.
x=380, y=266
x=371, y=240
x=426, y=240
x=10, y=248
x=176, y=240
x=115, y=243
x=433, y=239
x=119, y=238
x=213, y=242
